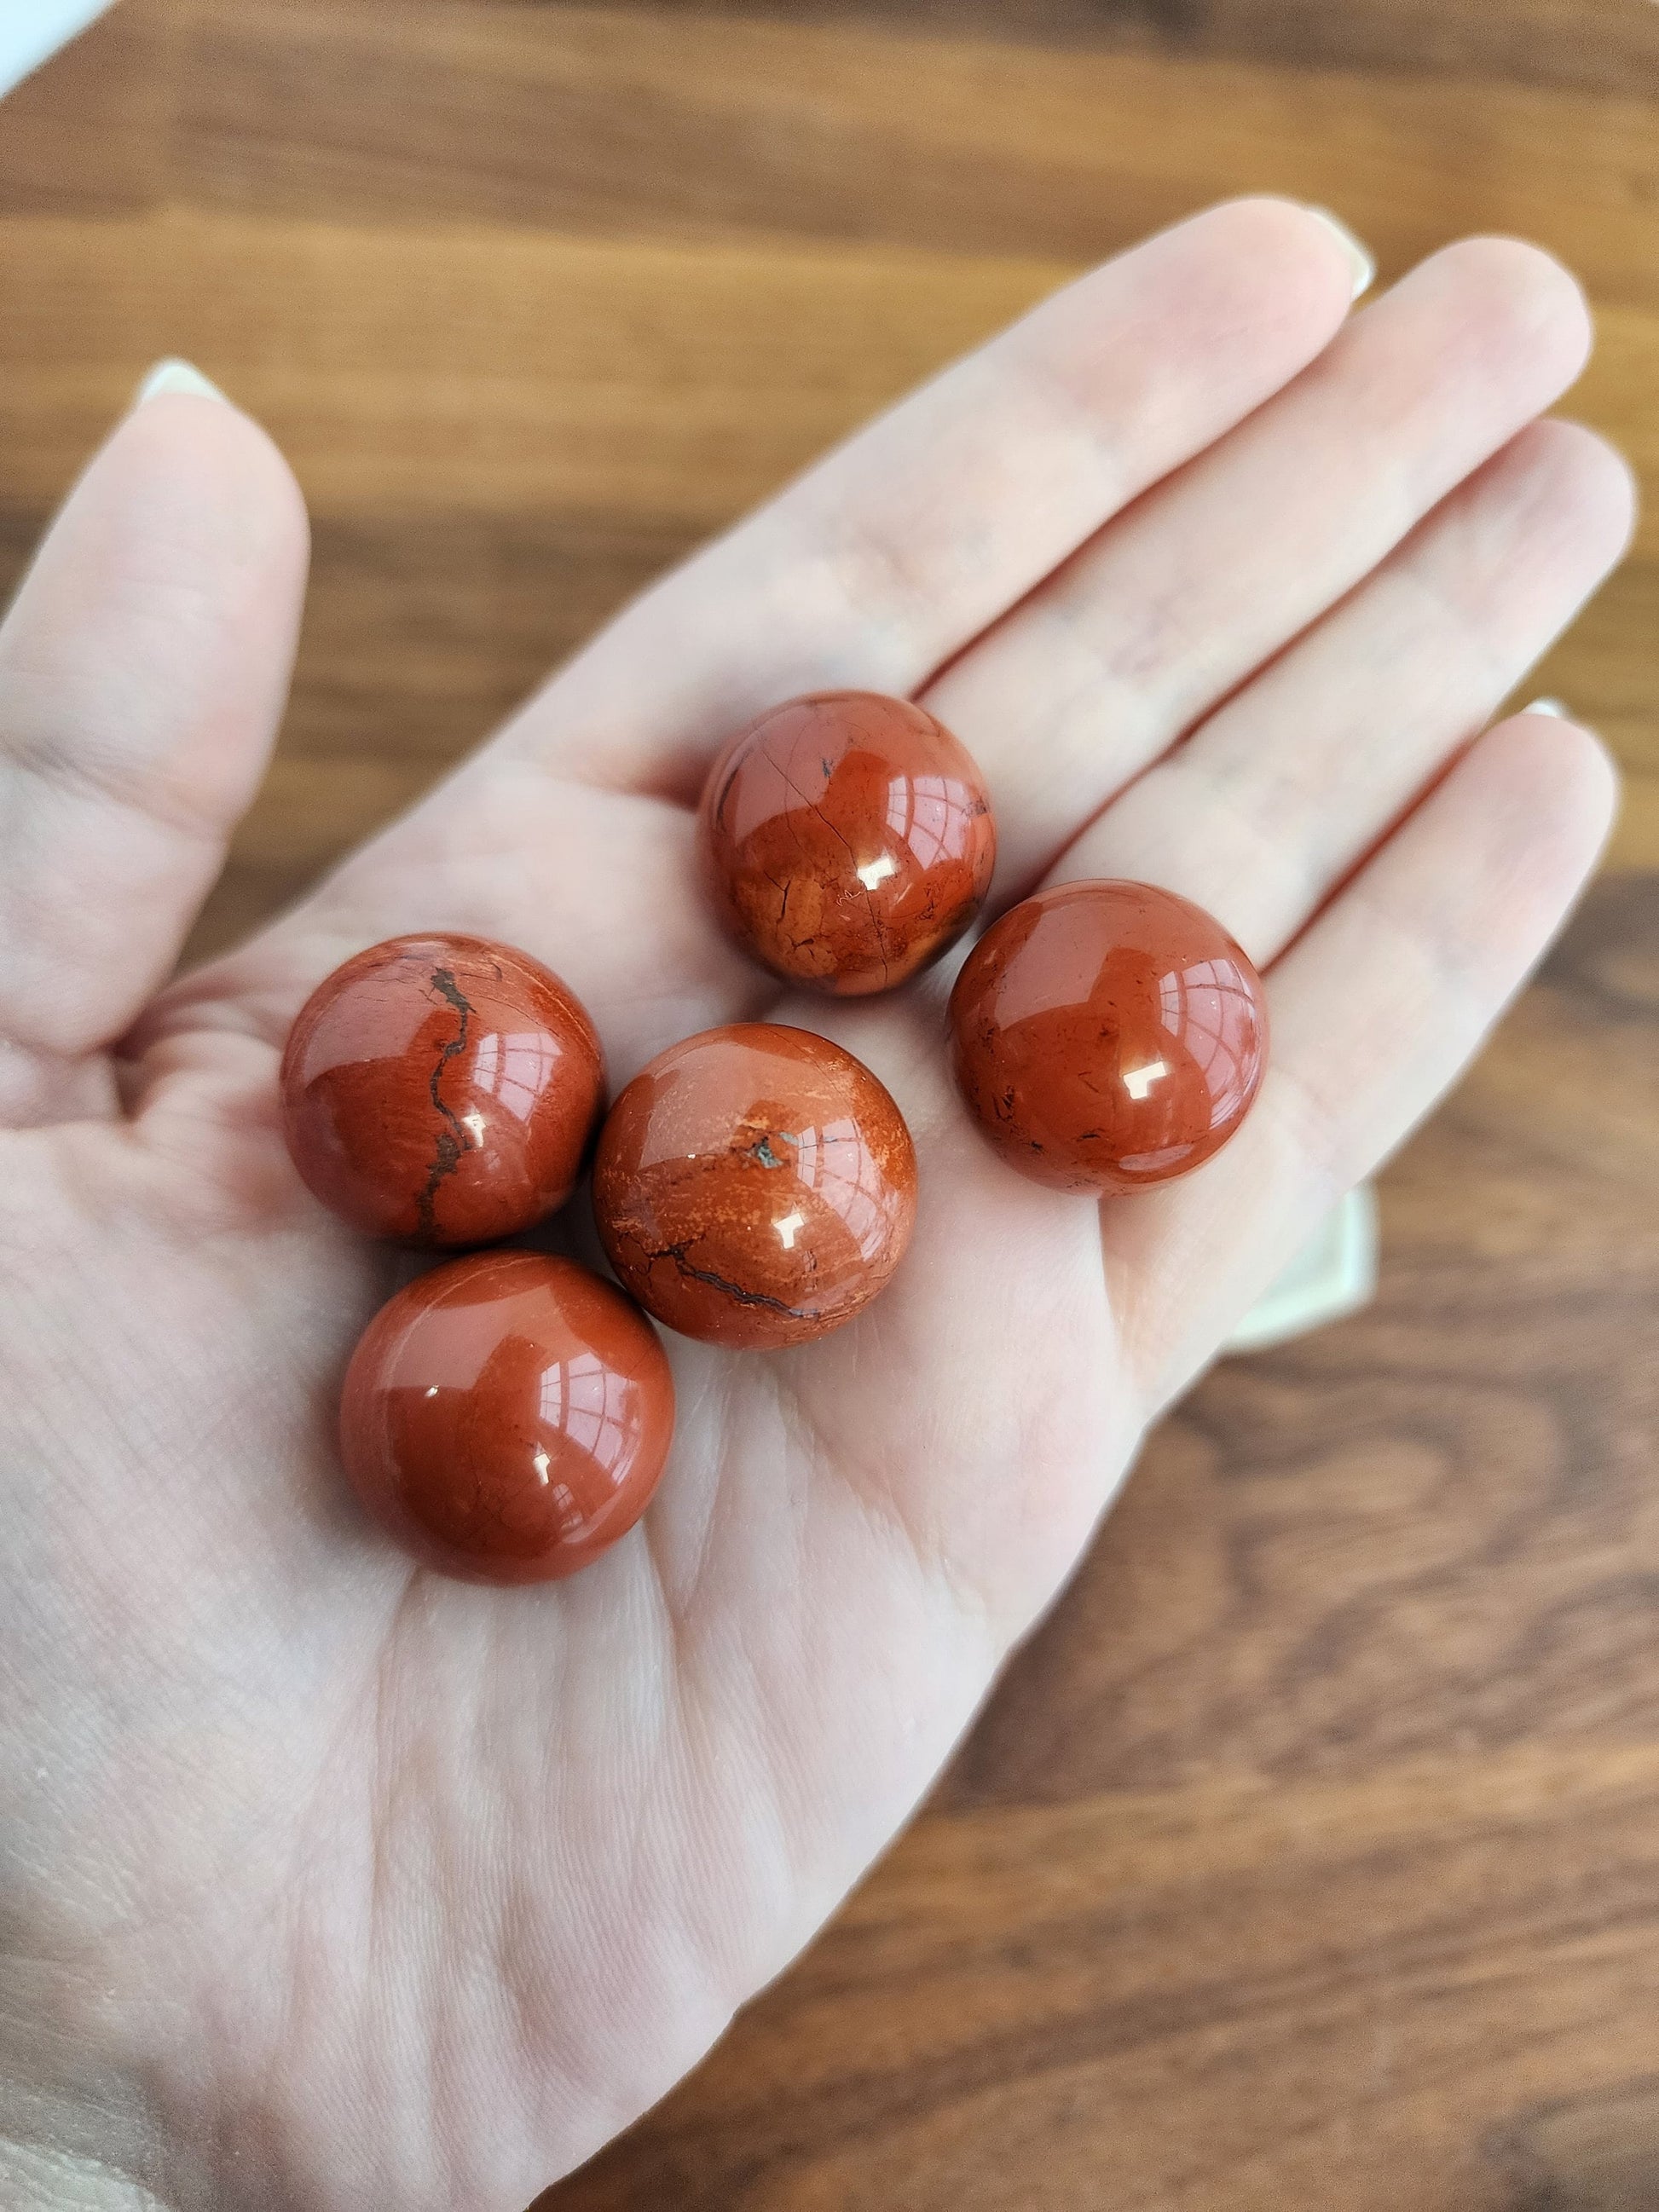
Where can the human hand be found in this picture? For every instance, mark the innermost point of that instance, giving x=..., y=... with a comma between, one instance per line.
x=329, y=1882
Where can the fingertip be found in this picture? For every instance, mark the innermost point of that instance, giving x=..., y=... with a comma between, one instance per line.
x=1595, y=490
x=1302, y=257
x=1524, y=297
x=210, y=457
x=1567, y=778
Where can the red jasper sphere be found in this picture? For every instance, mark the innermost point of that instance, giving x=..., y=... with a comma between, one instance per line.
x=507, y=1417
x=1108, y=1035
x=755, y=1186
x=847, y=840
x=441, y=1090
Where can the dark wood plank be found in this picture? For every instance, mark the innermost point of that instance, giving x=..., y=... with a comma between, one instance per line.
x=671, y=120
x=89, y=132
x=1610, y=45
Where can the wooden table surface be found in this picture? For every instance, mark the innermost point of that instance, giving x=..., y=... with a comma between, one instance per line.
x=1309, y=1858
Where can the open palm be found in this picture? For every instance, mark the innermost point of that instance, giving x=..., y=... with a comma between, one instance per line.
x=328, y=1882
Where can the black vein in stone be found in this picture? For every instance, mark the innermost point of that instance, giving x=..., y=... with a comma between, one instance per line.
x=452, y=1141
x=676, y=1254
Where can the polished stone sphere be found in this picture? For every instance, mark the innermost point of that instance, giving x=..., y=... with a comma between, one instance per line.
x=755, y=1186
x=507, y=1417
x=1108, y=1035
x=847, y=841
x=441, y=1090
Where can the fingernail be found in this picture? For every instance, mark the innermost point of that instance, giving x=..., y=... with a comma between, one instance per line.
x=1556, y=706
x=1360, y=259
x=174, y=375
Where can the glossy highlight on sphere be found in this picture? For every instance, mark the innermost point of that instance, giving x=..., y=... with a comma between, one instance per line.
x=507, y=1417
x=1108, y=1035
x=847, y=840
x=441, y=1090
x=755, y=1186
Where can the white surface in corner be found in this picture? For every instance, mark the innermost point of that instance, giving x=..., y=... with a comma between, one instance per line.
x=32, y=29
x=1333, y=1275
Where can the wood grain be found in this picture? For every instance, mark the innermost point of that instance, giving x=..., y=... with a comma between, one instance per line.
x=689, y=122
x=1309, y=1858
x=1606, y=45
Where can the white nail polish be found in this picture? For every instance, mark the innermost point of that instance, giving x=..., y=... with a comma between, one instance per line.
x=1360, y=259
x=174, y=375
x=1556, y=706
